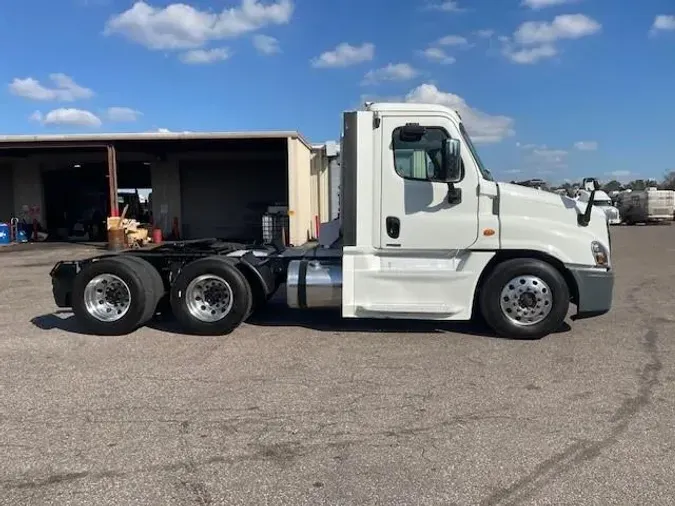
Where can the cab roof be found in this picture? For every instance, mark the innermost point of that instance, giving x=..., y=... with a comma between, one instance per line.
x=412, y=107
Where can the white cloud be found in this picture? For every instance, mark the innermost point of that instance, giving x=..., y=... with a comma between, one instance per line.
x=542, y=158
x=566, y=26
x=447, y=6
x=485, y=34
x=392, y=72
x=531, y=146
x=345, y=55
x=483, y=127
x=266, y=44
x=123, y=114
x=530, y=55
x=553, y=155
x=542, y=4
x=663, y=23
x=205, y=56
x=534, y=41
x=453, y=40
x=437, y=54
x=67, y=117
x=620, y=175
x=181, y=26
x=586, y=145
x=64, y=89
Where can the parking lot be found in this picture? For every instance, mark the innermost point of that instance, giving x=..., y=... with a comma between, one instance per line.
x=302, y=408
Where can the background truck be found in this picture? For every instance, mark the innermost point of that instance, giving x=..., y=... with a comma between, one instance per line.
x=646, y=206
x=424, y=233
x=602, y=200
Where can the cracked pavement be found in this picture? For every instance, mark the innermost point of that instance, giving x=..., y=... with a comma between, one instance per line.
x=303, y=408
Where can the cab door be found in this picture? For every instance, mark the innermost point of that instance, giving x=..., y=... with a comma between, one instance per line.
x=416, y=214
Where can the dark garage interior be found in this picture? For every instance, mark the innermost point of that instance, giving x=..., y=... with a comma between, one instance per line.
x=225, y=186
x=77, y=201
x=225, y=194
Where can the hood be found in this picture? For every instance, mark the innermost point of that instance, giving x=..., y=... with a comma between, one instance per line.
x=547, y=222
x=540, y=196
x=547, y=198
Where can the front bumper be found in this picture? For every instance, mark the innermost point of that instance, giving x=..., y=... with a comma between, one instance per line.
x=596, y=289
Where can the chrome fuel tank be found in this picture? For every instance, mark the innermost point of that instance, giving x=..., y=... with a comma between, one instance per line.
x=314, y=284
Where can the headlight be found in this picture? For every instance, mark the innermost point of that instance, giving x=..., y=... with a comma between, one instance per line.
x=600, y=254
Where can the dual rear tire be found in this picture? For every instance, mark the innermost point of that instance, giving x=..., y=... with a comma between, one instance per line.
x=118, y=294
x=115, y=295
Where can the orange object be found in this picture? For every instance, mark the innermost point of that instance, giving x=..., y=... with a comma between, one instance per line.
x=157, y=235
x=488, y=232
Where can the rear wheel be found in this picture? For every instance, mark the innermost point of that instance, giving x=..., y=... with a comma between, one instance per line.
x=112, y=297
x=152, y=278
x=211, y=297
x=524, y=299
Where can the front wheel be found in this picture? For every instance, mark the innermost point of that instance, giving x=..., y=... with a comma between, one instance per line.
x=524, y=298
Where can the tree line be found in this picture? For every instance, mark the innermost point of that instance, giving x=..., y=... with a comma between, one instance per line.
x=667, y=183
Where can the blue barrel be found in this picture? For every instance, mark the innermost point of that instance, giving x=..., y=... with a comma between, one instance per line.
x=4, y=233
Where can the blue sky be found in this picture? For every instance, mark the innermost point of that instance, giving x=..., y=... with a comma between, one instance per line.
x=559, y=89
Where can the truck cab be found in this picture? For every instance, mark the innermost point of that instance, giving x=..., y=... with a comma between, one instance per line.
x=426, y=227
x=425, y=232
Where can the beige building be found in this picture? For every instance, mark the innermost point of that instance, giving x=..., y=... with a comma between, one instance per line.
x=202, y=184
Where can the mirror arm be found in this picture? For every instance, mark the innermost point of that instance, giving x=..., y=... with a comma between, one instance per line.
x=454, y=194
x=584, y=219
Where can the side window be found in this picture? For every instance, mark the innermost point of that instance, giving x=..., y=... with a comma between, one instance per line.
x=419, y=159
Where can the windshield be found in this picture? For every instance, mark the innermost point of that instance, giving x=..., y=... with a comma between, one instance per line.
x=483, y=170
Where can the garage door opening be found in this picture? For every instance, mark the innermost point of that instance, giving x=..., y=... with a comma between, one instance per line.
x=236, y=191
x=77, y=196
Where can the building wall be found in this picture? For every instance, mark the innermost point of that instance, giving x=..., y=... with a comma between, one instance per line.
x=320, y=178
x=302, y=221
x=334, y=183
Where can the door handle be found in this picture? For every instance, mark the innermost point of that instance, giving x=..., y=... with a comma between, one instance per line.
x=393, y=227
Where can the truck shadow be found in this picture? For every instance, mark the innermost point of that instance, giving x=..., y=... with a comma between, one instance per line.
x=331, y=321
x=281, y=316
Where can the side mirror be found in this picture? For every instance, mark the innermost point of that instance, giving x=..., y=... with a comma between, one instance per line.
x=452, y=161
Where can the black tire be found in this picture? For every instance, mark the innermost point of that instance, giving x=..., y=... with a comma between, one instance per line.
x=141, y=296
x=152, y=278
x=241, y=296
x=557, y=295
x=259, y=297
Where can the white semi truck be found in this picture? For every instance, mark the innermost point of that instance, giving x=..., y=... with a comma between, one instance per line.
x=602, y=200
x=426, y=234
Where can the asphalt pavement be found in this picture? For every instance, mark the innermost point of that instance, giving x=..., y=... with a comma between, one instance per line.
x=303, y=408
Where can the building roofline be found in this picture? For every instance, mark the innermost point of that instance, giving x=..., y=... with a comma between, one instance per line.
x=102, y=138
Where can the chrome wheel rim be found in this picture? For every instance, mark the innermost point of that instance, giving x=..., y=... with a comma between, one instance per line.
x=107, y=298
x=209, y=298
x=526, y=300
